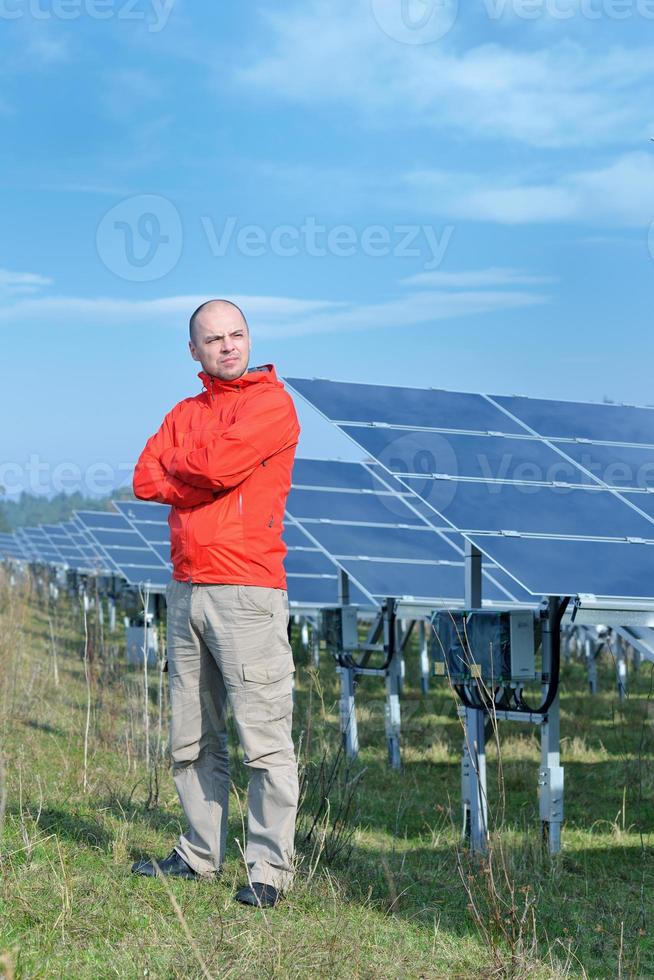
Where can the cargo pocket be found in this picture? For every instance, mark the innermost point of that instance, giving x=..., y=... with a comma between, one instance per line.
x=268, y=689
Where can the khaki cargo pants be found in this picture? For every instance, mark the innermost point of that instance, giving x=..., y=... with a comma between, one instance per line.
x=229, y=643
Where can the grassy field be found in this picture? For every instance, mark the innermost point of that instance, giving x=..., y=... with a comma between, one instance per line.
x=384, y=888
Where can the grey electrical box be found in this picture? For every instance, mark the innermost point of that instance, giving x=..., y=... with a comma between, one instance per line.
x=523, y=645
x=495, y=647
x=340, y=629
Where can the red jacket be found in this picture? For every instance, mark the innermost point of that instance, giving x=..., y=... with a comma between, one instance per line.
x=223, y=460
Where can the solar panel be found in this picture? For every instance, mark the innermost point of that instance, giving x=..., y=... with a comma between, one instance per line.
x=580, y=420
x=10, y=546
x=560, y=566
x=376, y=537
x=67, y=548
x=478, y=505
x=415, y=407
x=150, y=520
x=42, y=548
x=496, y=480
x=485, y=457
x=312, y=578
x=124, y=549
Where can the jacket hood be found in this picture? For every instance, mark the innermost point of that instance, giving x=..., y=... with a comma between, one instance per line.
x=263, y=374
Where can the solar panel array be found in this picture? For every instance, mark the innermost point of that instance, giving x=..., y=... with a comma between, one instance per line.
x=372, y=528
x=559, y=497
x=509, y=474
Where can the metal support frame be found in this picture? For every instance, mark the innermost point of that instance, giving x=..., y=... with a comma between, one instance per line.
x=550, y=777
x=620, y=657
x=473, y=759
x=473, y=780
x=393, y=684
x=348, y=716
x=315, y=645
x=592, y=648
x=424, y=656
x=349, y=730
x=111, y=613
x=473, y=576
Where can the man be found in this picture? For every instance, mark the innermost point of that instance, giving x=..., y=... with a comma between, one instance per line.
x=223, y=460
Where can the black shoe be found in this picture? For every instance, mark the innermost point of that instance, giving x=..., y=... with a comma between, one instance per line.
x=174, y=865
x=263, y=896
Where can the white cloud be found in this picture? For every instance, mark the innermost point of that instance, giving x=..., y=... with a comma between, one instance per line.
x=476, y=278
x=276, y=316
x=12, y=283
x=619, y=193
x=558, y=95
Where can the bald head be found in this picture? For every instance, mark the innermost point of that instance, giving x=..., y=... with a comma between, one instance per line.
x=216, y=309
x=220, y=339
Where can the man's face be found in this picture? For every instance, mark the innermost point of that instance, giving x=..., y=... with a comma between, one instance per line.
x=221, y=343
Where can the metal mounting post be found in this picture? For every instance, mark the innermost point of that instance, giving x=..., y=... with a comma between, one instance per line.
x=348, y=715
x=424, y=657
x=111, y=610
x=473, y=760
x=620, y=657
x=315, y=645
x=349, y=729
x=473, y=576
x=473, y=780
x=393, y=683
x=550, y=778
x=591, y=649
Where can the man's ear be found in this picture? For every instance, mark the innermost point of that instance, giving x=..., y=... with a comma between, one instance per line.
x=194, y=351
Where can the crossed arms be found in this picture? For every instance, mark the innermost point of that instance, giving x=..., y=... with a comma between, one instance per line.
x=172, y=474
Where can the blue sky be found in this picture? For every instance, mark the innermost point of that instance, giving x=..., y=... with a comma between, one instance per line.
x=400, y=191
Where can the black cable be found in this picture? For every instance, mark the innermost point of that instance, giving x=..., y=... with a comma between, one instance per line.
x=555, y=666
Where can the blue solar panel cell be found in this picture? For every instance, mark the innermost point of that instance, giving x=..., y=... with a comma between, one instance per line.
x=547, y=566
x=337, y=505
x=143, y=510
x=162, y=550
x=461, y=412
x=392, y=542
x=493, y=507
x=308, y=563
x=117, y=539
x=102, y=519
x=410, y=580
x=294, y=537
x=318, y=591
x=473, y=456
x=581, y=420
x=325, y=473
x=141, y=575
x=616, y=466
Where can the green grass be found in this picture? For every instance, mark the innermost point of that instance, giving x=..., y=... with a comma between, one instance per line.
x=406, y=902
